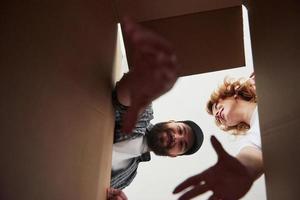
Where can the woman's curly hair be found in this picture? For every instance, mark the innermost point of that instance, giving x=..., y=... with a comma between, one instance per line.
x=241, y=88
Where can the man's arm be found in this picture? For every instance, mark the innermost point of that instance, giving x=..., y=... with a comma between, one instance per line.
x=123, y=89
x=251, y=158
x=230, y=178
x=154, y=71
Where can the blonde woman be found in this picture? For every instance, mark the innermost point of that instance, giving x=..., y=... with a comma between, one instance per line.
x=234, y=107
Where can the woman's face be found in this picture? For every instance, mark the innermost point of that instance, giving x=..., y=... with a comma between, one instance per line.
x=225, y=111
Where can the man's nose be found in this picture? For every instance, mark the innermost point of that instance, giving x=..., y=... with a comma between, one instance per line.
x=178, y=136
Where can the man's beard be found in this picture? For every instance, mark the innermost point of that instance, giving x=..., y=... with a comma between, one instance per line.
x=154, y=144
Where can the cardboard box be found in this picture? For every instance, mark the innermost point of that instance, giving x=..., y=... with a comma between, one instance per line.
x=56, y=80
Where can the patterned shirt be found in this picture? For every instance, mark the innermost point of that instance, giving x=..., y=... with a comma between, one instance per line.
x=123, y=177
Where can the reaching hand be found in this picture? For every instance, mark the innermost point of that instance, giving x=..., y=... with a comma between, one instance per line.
x=115, y=194
x=228, y=179
x=154, y=69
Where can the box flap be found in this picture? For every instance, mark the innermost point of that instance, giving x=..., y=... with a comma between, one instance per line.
x=144, y=10
x=205, y=41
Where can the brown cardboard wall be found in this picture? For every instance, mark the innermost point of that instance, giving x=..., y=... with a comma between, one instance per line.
x=56, y=119
x=56, y=80
x=145, y=10
x=205, y=41
x=275, y=41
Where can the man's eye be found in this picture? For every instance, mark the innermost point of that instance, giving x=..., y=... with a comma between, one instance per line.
x=179, y=130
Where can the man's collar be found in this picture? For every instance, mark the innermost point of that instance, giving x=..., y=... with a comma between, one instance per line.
x=145, y=157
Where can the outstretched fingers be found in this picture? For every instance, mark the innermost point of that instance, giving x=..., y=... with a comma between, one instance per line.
x=192, y=181
x=199, y=189
x=122, y=196
x=129, y=119
x=115, y=194
x=139, y=36
x=214, y=197
x=218, y=148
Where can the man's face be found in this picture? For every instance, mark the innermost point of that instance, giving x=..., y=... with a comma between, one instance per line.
x=176, y=139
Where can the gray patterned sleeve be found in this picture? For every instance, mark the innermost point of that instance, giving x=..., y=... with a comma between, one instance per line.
x=141, y=125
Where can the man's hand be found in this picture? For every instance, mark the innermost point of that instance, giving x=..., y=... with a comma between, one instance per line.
x=228, y=179
x=154, y=69
x=115, y=194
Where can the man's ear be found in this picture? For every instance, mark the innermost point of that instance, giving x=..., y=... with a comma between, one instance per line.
x=173, y=156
